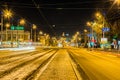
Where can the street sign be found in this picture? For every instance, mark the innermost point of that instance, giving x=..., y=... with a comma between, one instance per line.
x=17, y=27
x=118, y=42
x=89, y=35
x=104, y=40
x=105, y=29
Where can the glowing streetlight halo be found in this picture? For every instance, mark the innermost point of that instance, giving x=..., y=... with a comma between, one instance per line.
x=22, y=22
x=34, y=26
x=89, y=23
x=7, y=13
x=85, y=30
x=116, y=2
x=98, y=15
x=41, y=32
x=7, y=25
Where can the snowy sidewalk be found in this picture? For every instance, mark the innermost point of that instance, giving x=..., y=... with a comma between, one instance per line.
x=60, y=68
x=19, y=48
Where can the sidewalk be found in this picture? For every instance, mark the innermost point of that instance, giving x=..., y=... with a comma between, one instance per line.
x=18, y=48
x=109, y=51
x=60, y=68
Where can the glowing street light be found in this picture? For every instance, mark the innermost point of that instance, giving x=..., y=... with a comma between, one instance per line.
x=85, y=30
x=88, y=23
x=75, y=38
x=40, y=32
x=77, y=33
x=22, y=22
x=98, y=15
x=34, y=26
x=45, y=34
x=91, y=24
x=85, y=35
x=7, y=25
x=117, y=2
x=7, y=13
x=101, y=18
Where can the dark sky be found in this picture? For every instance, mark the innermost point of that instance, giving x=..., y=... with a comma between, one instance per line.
x=55, y=16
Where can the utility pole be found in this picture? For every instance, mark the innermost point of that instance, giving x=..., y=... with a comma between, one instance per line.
x=31, y=34
x=1, y=29
x=35, y=36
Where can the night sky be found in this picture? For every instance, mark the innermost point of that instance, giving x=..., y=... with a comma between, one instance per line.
x=55, y=16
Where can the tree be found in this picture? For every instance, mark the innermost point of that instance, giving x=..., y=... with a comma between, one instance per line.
x=113, y=18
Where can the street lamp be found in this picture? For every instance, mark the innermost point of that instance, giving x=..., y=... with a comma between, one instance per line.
x=22, y=22
x=7, y=13
x=34, y=28
x=92, y=24
x=76, y=37
x=40, y=35
x=101, y=18
x=31, y=33
x=85, y=30
x=117, y=2
x=1, y=28
x=7, y=25
x=85, y=35
x=40, y=32
x=77, y=33
x=47, y=37
x=97, y=14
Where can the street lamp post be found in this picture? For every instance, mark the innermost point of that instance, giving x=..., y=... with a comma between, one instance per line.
x=85, y=36
x=117, y=2
x=35, y=36
x=22, y=22
x=1, y=28
x=77, y=36
x=7, y=13
x=40, y=36
x=91, y=24
x=40, y=32
x=7, y=25
x=99, y=16
x=34, y=27
x=31, y=34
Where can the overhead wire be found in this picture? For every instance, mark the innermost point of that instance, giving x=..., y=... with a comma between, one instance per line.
x=58, y=3
x=74, y=3
x=60, y=8
x=37, y=7
x=49, y=5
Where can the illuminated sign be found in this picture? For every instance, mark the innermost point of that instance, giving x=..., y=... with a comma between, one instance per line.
x=17, y=27
x=105, y=29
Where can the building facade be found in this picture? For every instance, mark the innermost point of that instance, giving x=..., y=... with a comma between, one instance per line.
x=14, y=35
